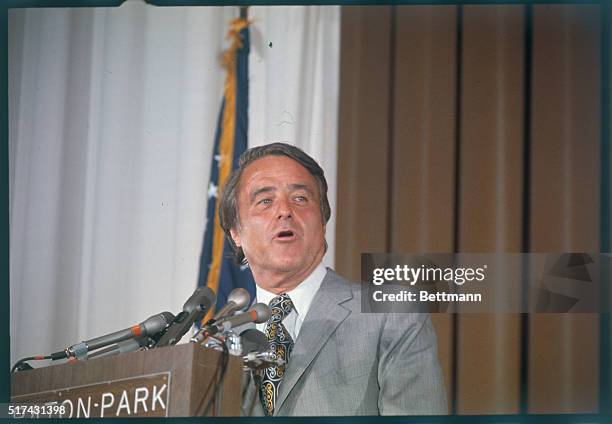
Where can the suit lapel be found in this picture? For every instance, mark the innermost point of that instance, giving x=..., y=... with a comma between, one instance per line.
x=324, y=316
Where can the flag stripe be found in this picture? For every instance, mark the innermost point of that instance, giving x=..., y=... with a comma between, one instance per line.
x=226, y=150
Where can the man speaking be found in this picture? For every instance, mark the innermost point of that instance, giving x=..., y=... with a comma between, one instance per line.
x=338, y=360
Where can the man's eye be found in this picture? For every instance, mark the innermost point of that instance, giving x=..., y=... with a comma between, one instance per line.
x=264, y=201
x=301, y=198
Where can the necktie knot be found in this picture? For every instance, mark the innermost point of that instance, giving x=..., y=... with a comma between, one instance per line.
x=281, y=307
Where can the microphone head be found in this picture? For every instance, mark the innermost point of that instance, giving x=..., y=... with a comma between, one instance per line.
x=157, y=323
x=263, y=312
x=240, y=297
x=253, y=340
x=203, y=296
x=168, y=317
x=237, y=299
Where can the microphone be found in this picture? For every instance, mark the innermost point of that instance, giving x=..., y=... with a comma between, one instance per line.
x=194, y=310
x=253, y=340
x=130, y=345
x=201, y=296
x=149, y=327
x=260, y=312
x=238, y=299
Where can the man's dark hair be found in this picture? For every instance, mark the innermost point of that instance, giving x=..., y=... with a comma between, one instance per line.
x=228, y=210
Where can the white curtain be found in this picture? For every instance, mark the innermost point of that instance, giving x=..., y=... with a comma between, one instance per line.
x=112, y=114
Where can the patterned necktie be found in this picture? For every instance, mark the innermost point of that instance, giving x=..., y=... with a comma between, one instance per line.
x=280, y=344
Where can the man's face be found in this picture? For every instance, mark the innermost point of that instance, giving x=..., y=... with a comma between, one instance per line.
x=280, y=228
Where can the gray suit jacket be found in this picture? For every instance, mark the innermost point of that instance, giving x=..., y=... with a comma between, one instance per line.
x=345, y=362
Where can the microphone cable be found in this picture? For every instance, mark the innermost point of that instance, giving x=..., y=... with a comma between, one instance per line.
x=22, y=361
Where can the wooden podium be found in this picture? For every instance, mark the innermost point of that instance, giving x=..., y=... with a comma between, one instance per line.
x=173, y=381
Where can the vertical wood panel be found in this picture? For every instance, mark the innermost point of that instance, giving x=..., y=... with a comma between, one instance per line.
x=564, y=349
x=564, y=199
x=490, y=197
x=363, y=136
x=608, y=213
x=424, y=143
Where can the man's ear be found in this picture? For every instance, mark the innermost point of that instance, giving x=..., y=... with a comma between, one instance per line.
x=235, y=237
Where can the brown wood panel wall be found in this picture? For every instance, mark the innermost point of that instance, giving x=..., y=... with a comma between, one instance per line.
x=410, y=118
x=490, y=207
x=565, y=139
x=608, y=159
x=363, y=136
x=424, y=143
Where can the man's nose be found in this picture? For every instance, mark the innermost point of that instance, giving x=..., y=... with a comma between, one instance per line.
x=284, y=209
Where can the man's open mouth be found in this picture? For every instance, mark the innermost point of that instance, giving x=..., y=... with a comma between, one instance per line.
x=285, y=234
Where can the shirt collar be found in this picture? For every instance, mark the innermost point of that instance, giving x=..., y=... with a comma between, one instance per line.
x=302, y=295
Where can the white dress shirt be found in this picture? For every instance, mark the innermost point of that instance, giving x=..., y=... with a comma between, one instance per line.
x=301, y=296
